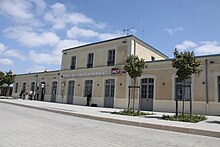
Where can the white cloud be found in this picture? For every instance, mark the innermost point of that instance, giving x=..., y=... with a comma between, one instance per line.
x=2, y=48
x=173, y=31
x=6, y=61
x=187, y=44
x=44, y=58
x=14, y=53
x=208, y=47
x=75, y=32
x=31, y=39
x=18, y=9
x=200, y=48
x=76, y=18
x=23, y=11
x=40, y=6
x=60, y=17
x=10, y=53
x=105, y=36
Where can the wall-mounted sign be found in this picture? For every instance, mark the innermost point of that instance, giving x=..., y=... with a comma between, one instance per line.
x=116, y=71
x=86, y=74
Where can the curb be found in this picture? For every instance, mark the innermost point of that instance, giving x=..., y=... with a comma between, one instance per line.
x=126, y=122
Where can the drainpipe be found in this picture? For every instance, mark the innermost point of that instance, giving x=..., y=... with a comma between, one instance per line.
x=206, y=88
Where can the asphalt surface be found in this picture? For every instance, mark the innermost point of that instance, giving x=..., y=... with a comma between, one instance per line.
x=21, y=126
x=209, y=127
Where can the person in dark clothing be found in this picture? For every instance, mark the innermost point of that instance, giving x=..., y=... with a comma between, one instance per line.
x=89, y=96
x=21, y=94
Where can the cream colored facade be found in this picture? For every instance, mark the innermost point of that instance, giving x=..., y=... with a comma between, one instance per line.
x=109, y=83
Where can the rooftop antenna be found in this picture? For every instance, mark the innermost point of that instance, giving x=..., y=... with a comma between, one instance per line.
x=127, y=30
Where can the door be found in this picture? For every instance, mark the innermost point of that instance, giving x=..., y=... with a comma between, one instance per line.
x=147, y=94
x=70, y=92
x=54, y=91
x=109, y=93
x=42, y=91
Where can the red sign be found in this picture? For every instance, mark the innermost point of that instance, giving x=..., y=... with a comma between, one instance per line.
x=115, y=71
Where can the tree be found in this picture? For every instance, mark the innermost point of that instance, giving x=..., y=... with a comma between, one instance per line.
x=186, y=65
x=134, y=67
x=8, y=79
x=2, y=74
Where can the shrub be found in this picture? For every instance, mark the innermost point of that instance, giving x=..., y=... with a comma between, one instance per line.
x=131, y=113
x=185, y=118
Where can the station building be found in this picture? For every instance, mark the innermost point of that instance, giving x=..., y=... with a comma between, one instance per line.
x=98, y=68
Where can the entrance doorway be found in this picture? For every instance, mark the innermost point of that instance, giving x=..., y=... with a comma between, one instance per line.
x=109, y=93
x=70, y=92
x=54, y=91
x=42, y=91
x=147, y=94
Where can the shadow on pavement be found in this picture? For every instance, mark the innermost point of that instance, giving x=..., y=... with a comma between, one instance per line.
x=213, y=122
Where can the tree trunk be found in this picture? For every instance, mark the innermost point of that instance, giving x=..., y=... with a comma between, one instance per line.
x=129, y=98
x=134, y=89
x=190, y=103
x=183, y=109
x=176, y=106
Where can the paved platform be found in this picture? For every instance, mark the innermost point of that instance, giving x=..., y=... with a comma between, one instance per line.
x=210, y=127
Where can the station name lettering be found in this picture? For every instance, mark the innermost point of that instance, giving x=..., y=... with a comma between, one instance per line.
x=85, y=74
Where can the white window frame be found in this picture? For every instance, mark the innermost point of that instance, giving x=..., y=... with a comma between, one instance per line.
x=145, y=77
x=103, y=87
x=173, y=78
x=51, y=86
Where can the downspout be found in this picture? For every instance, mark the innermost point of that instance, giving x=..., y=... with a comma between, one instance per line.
x=206, y=88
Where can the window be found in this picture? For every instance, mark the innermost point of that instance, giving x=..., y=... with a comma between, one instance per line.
x=180, y=89
x=152, y=58
x=73, y=62
x=90, y=60
x=16, y=88
x=218, y=88
x=147, y=88
x=32, y=86
x=24, y=86
x=111, y=58
x=88, y=87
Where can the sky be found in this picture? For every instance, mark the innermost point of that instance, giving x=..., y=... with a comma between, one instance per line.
x=34, y=32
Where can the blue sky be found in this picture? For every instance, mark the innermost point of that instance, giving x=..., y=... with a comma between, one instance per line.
x=34, y=32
